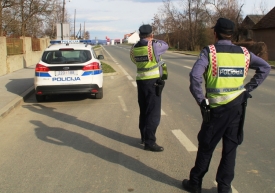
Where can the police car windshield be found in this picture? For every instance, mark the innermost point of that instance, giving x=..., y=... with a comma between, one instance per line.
x=66, y=56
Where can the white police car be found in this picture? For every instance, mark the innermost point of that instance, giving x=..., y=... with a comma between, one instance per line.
x=69, y=67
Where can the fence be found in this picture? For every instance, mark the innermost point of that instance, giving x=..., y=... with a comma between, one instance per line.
x=18, y=53
x=14, y=46
x=35, y=44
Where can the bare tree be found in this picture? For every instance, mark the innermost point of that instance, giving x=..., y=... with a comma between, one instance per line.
x=33, y=10
x=4, y=4
x=230, y=9
x=87, y=35
x=35, y=18
x=260, y=8
x=190, y=21
x=54, y=18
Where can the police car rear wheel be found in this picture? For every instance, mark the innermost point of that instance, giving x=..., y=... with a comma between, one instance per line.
x=99, y=95
x=40, y=98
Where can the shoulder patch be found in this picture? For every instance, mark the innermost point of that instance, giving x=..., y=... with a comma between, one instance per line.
x=201, y=55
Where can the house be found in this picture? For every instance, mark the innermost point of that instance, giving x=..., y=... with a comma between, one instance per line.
x=246, y=33
x=264, y=31
x=131, y=38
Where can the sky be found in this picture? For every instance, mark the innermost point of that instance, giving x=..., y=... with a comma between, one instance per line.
x=114, y=18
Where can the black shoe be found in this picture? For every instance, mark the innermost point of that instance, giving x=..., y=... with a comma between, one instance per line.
x=154, y=147
x=186, y=184
x=142, y=142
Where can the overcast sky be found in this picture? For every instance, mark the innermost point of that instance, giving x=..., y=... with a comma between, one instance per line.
x=114, y=18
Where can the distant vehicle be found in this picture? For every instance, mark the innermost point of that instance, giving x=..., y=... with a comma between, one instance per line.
x=69, y=67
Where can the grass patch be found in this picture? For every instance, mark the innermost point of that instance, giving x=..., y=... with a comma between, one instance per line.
x=172, y=49
x=195, y=53
x=96, y=46
x=192, y=52
x=107, y=68
x=272, y=63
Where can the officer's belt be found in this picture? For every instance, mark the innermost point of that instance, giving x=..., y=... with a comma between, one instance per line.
x=224, y=98
x=222, y=90
x=151, y=68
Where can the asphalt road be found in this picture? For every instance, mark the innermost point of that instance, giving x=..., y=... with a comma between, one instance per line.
x=78, y=144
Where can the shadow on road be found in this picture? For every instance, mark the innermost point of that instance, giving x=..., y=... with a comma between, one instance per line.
x=60, y=136
x=63, y=137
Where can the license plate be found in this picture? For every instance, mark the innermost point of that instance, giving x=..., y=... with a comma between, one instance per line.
x=66, y=73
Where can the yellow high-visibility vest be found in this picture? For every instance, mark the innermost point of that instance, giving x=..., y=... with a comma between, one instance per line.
x=145, y=60
x=227, y=69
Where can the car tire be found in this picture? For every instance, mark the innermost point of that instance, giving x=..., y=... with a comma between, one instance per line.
x=40, y=98
x=99, y=95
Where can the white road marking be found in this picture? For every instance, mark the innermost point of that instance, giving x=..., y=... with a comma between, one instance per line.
x=162, y=112
x=135, y=84
x=233, y=189
x=123, y=105
x=129, y=77
x=122, y=69
x=188, y=67
x=184, y=140
x=108, y=53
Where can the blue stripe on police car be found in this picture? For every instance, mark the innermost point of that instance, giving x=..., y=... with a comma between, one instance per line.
x=42, y=74
x=94, y=72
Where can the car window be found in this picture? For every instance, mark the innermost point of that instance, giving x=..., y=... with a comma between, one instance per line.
x=94, y=54
x=66, y=56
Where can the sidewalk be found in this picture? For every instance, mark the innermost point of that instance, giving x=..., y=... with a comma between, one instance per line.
x=14, y=88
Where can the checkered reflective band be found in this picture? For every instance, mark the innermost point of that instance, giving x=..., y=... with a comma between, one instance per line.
x=247, y=59
x=214, y=60
x=231, y=72
x=150, y=50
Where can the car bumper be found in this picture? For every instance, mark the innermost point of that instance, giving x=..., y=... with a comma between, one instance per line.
x=67, y=89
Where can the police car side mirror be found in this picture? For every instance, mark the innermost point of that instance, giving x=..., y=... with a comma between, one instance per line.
x=100, y=57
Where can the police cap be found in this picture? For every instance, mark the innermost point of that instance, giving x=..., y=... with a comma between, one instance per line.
x=145, y=29
x=224, y=26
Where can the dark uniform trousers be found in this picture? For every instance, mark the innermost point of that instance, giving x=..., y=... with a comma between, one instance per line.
x=150, y=108
x=223, y=125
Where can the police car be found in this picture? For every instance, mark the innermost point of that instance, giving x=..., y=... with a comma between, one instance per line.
x=69, y=67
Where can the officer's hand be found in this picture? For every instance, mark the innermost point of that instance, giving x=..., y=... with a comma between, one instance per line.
x=204, y=103
x=247, y=95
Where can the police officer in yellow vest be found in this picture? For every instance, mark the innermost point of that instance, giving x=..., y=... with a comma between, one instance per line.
x=151, y=73
x=224, y=67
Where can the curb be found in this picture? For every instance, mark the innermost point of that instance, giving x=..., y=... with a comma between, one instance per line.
x=110, y=74
x=15, y=102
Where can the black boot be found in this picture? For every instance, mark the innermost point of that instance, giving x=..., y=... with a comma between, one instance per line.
x=154, y=147
x=188, y=186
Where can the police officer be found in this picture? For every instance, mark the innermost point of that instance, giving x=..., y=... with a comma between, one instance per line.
x=224, y=67
x=151, y=73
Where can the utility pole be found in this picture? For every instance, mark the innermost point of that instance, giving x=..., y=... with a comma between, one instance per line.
x=84, y=34
x=74, y=22
x=63, y=13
